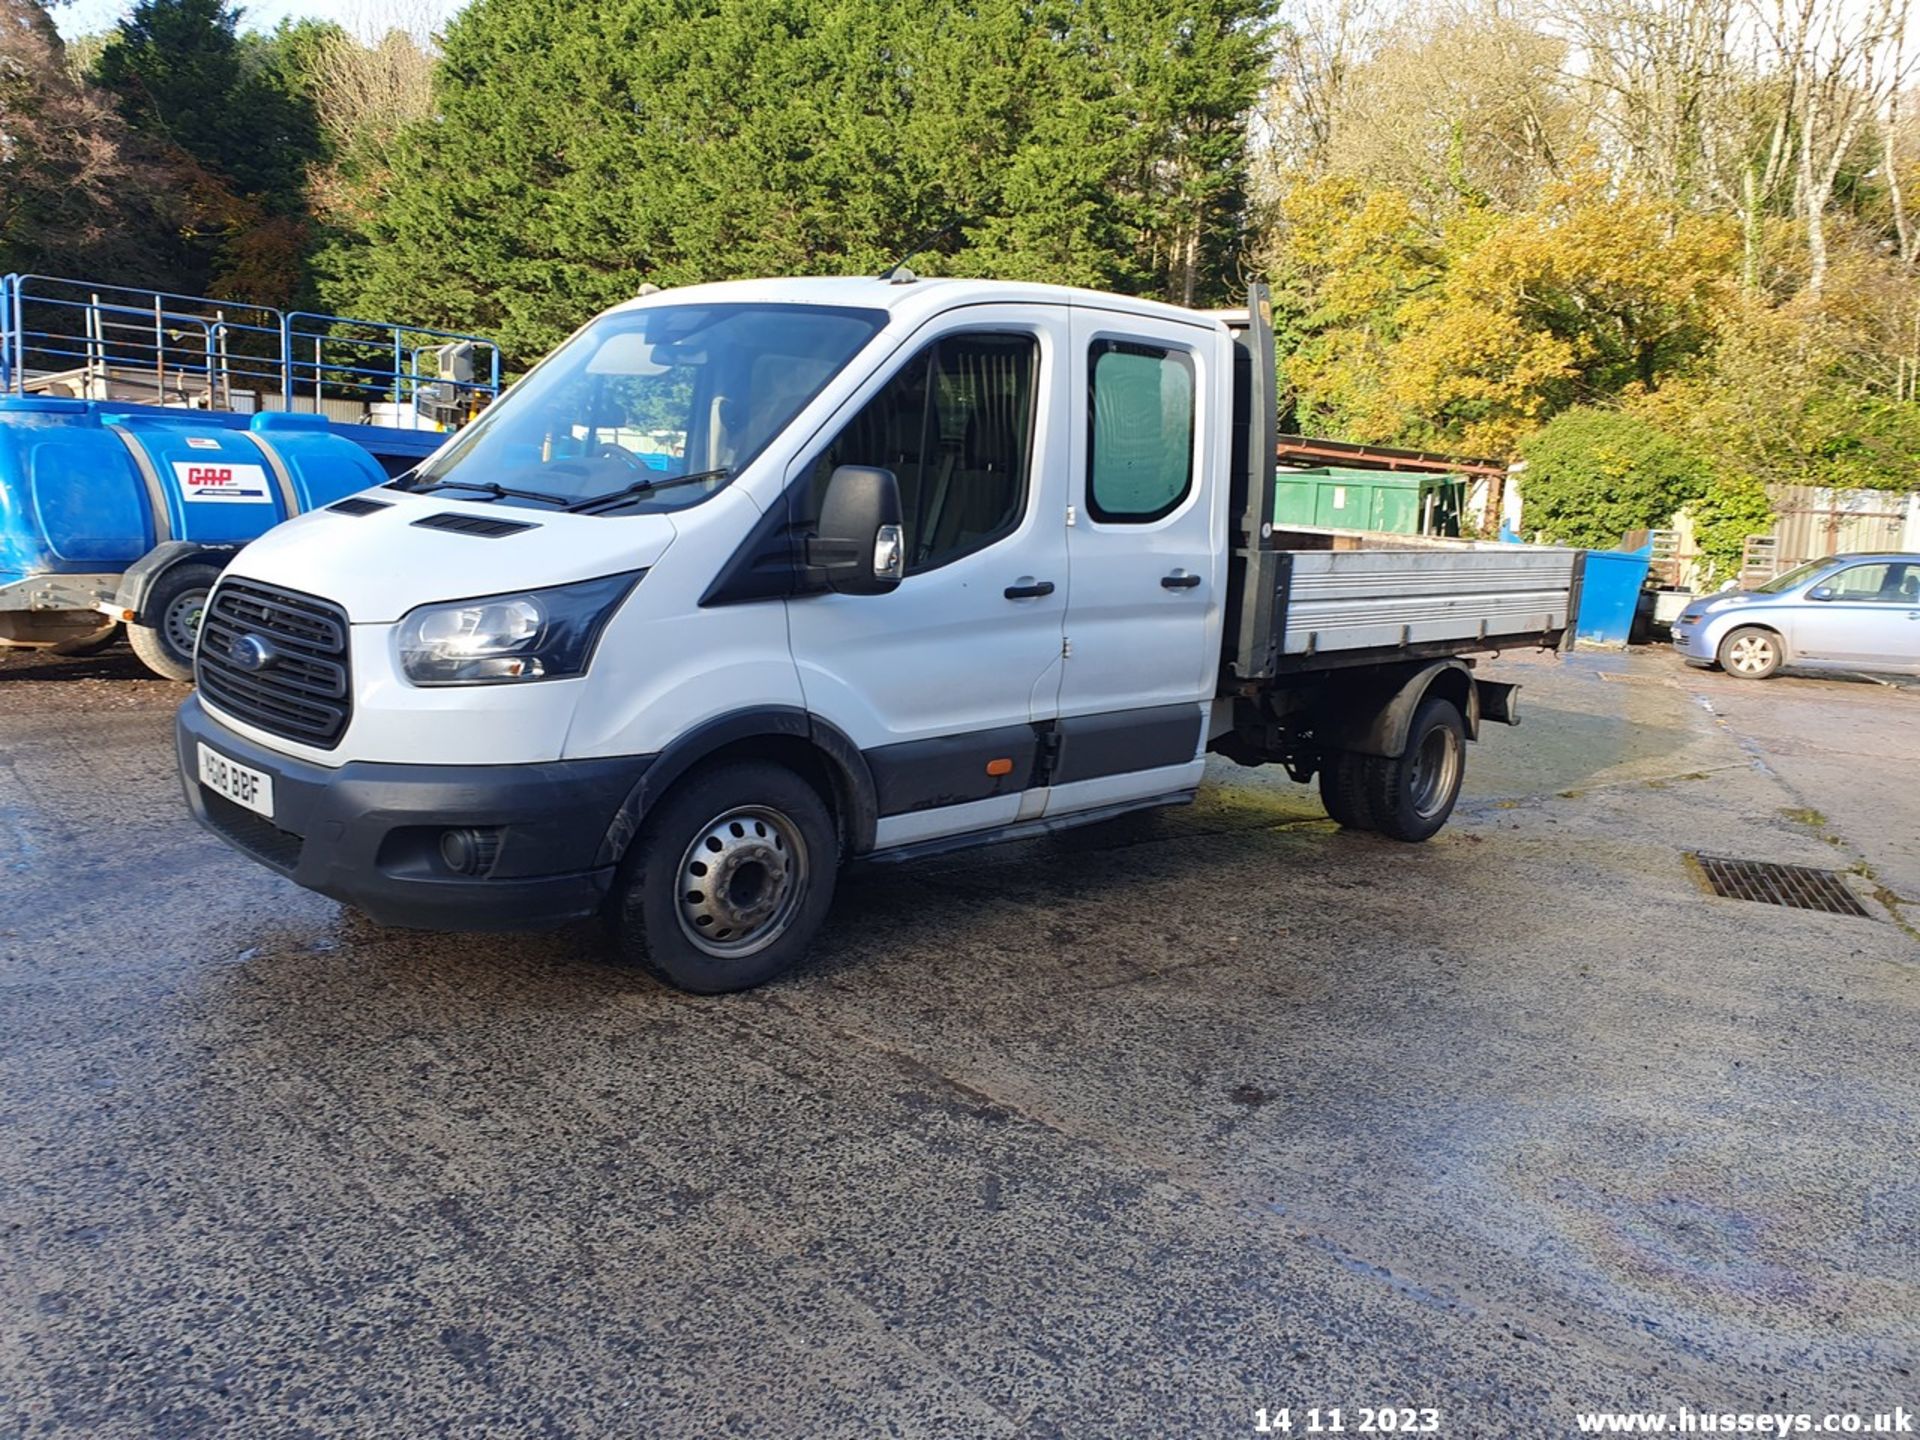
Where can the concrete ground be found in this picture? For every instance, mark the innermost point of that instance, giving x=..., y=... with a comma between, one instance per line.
x=1127, y=1133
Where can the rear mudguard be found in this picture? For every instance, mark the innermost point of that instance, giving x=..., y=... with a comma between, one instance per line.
x=141, y=576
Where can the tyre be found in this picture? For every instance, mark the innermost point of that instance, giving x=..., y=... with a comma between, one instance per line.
x=728, y=881
x=1751, y=653
x=174, y=606
x=1343, y=791
x=1411, y=797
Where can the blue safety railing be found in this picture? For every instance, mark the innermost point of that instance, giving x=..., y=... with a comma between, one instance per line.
x=113, y=342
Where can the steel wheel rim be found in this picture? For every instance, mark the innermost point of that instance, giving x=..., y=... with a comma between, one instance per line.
x=181, y=623
x=1436, y=768
x=1751, y=654
x=741, y=881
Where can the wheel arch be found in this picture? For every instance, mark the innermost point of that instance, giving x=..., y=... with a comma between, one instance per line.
x=137, y=582
x=818, y=751
x=1374, y=716
x=1734, y=623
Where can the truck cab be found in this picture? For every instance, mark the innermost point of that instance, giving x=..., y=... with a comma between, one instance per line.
x=745, y=580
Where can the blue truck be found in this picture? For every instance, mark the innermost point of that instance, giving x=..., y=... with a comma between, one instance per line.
x=145, y=437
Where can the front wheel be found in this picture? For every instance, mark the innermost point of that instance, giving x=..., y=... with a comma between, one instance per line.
x=173, y=607
x=728, y=881
x=1751, y=653
x=1412, y=795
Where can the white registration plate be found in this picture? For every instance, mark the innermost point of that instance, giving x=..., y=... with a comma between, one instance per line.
x=237, y=782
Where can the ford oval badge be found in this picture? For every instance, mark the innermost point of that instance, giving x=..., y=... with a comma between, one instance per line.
x=253, y=652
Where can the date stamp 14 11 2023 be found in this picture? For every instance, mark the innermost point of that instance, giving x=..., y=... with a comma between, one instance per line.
x=1346, y=1420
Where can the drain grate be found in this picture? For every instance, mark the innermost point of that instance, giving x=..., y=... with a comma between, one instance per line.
x=1799, y=886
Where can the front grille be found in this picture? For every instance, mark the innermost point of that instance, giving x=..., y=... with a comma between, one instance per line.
x=255, y=834
x=305, y=692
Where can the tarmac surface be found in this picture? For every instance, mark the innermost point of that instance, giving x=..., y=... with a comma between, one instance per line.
x=1131, y=1132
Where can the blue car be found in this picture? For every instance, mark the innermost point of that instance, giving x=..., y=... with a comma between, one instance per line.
x=1847, y=612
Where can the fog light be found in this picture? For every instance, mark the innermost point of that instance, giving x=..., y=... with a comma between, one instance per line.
x=469, y=851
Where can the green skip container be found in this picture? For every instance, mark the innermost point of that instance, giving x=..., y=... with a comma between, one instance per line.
x=1389, y=501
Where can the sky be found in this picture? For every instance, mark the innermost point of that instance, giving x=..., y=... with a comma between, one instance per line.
x=368, y=17
x=91, y=17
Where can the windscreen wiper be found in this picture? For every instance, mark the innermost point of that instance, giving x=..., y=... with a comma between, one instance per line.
x=499, y=492
x=647, y=487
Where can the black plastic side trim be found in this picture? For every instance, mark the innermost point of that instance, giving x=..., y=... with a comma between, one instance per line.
x=767, y=565
x=952, y=769
x=1123, y=741
x=853, y=781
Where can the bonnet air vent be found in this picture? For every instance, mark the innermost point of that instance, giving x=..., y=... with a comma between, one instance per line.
x=358, y=505
x=482, y=525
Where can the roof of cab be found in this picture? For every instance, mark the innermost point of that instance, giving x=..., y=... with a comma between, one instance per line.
x=913, y=299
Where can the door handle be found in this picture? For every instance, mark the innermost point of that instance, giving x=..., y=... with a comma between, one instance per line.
x=1179, y=580
x=1029, y=592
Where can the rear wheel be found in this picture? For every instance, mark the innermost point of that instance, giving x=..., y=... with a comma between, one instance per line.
x=1343, y=790
x=1751, y=653
x=173, y=608
x=728, y=881
x=1412, y=795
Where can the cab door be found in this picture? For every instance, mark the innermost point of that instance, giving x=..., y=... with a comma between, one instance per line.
x=1146, y=547
x=946, y=682
x=1868, y=615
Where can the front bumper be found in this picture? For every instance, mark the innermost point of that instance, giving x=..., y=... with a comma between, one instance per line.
x=368, y=834
x=1688, y=643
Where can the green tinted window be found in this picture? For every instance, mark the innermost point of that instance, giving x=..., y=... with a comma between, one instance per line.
x=1140, y=431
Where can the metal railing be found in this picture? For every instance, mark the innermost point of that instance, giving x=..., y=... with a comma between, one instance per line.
x=118, y=343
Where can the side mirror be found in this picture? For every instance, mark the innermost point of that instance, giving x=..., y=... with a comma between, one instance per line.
x=1820, y=592
x=859, y=548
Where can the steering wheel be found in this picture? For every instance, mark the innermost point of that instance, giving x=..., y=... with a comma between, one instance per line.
x=607, y=450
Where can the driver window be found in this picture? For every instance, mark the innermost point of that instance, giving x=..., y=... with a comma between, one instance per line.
x=1866, y=582
x=955, y=426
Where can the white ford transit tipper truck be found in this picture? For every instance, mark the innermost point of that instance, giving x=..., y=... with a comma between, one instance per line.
x=748, y=580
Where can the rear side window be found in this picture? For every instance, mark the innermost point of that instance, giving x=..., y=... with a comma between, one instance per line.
x=956, y=427
x=1140, y=408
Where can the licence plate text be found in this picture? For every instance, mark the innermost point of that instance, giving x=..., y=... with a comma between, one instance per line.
x=237, y=782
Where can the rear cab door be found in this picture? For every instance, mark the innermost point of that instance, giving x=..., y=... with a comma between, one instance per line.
x=1146, y=549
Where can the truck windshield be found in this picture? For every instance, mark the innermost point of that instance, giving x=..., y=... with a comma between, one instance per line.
x=641, y=398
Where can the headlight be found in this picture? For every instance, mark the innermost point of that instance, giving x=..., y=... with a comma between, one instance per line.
x=496, y=639
x=1692, y=617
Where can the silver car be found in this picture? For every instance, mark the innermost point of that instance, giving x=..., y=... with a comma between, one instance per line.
x=1850, y=612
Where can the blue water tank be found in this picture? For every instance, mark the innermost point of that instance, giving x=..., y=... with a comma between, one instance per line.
x=86, y=489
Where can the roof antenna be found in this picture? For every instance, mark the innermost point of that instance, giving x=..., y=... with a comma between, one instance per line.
x=898, y=273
